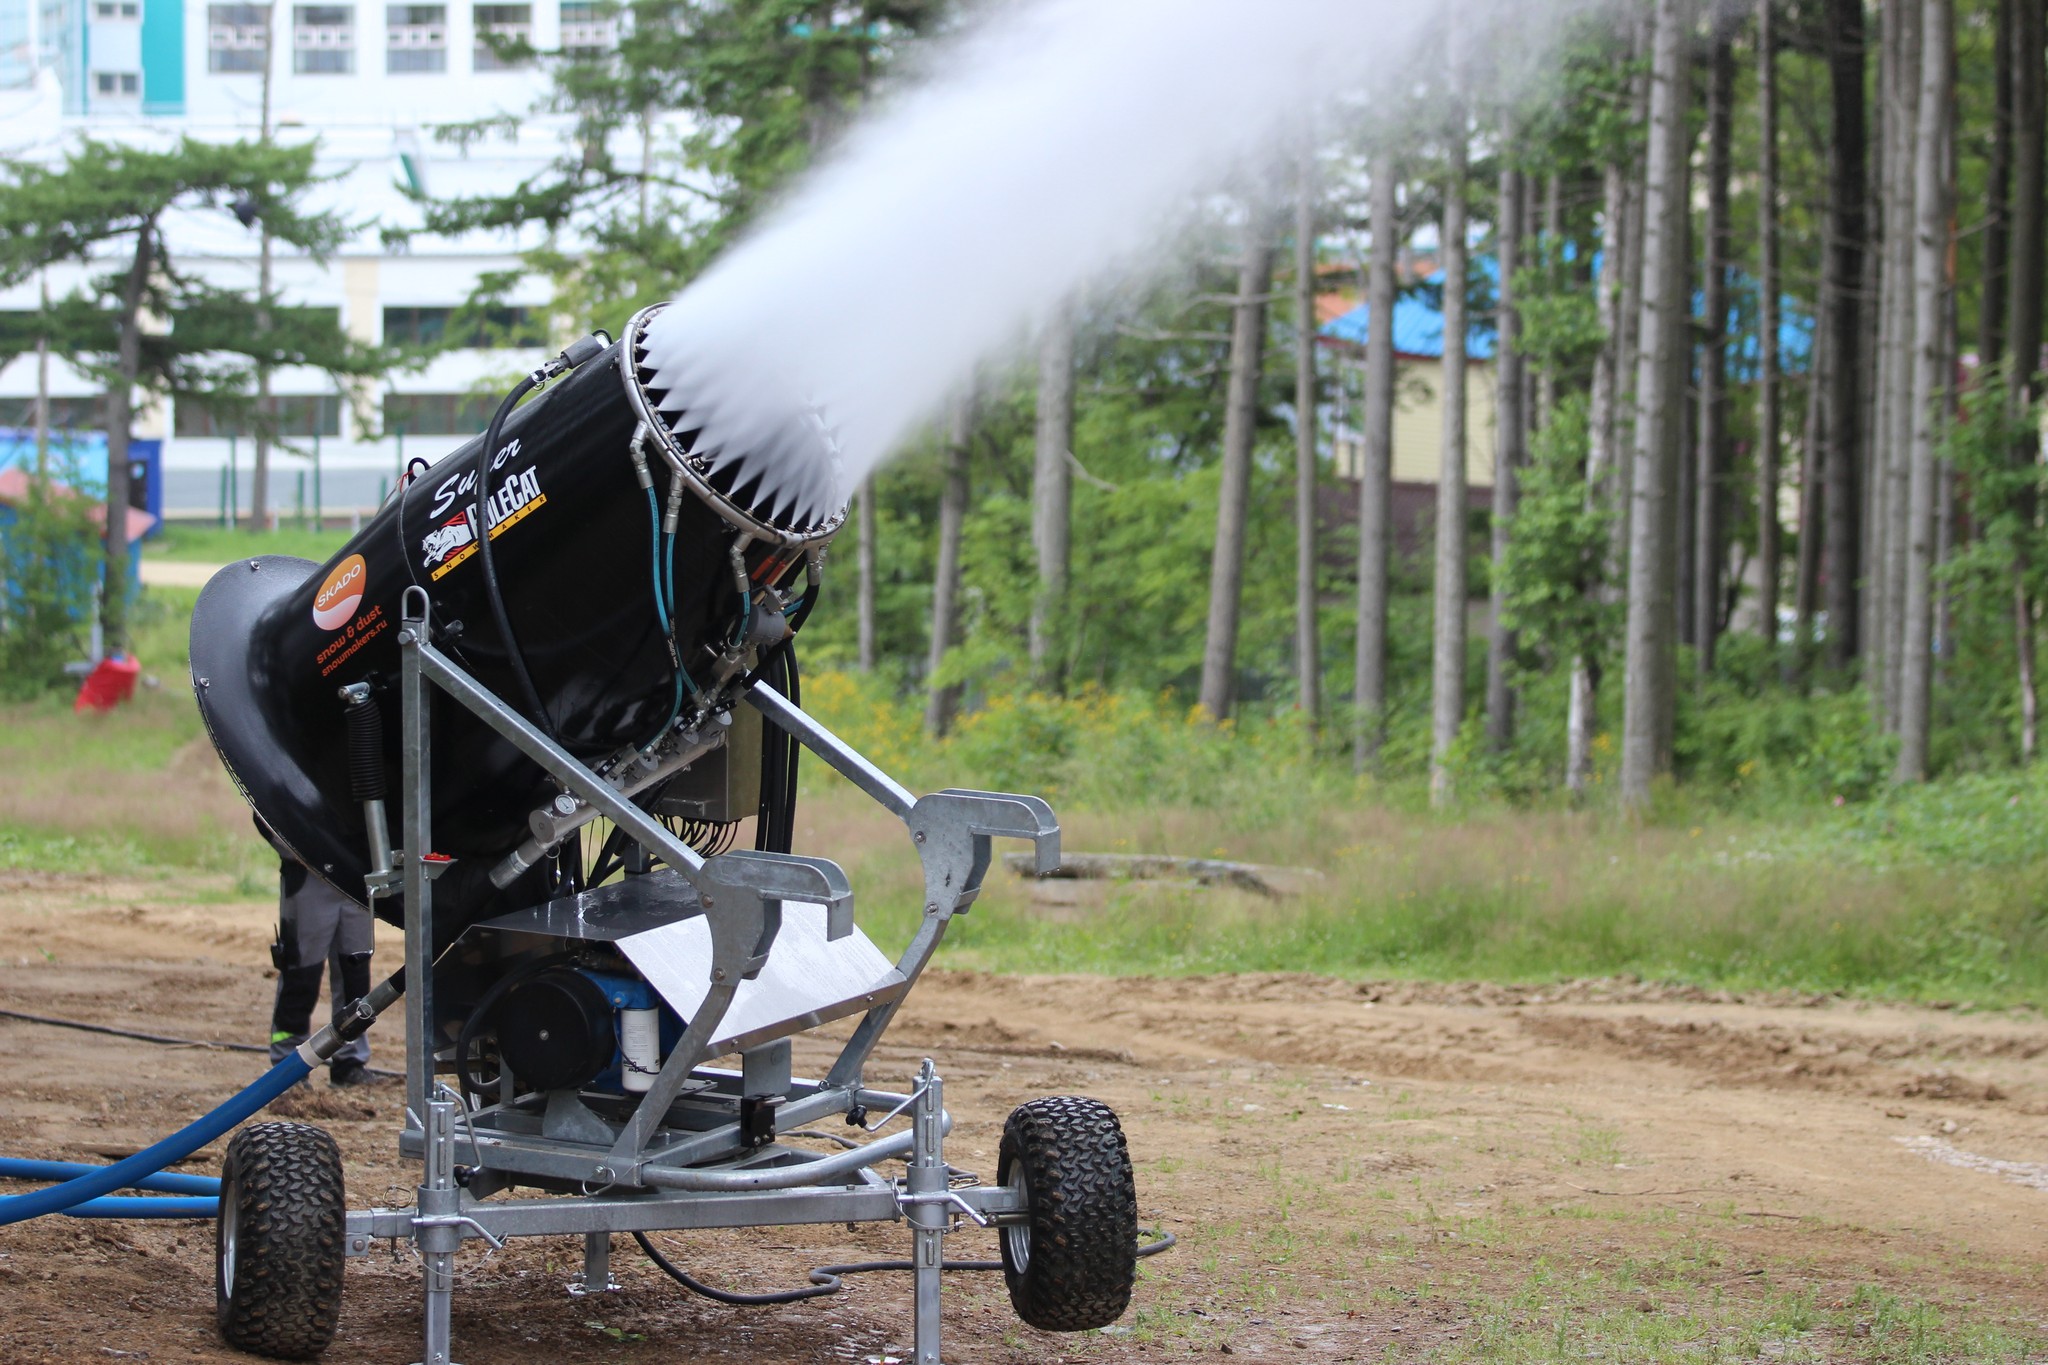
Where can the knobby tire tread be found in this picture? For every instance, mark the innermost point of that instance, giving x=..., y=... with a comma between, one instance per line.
x=287, y=1183
x=1083, y=1218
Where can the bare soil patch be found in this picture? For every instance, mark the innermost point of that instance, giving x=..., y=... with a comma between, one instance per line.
x=1355, y=1170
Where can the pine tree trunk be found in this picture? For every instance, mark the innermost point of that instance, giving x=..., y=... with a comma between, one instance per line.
x=1768, y=553
x=942, y=701
x=1997, y=190
x=1876, y=616
x=1226, y=570
x=1813, y=441
x=1713, y=409
x=1930, y=253
x=1842, y=287
x=1550, y=258
x=1602, y=458
x=1308, y=650
x=1628, y=352
x=1052, y=493
x=1899, y=509
x=1369, y=694
x=1511, y=401
x=2023, y=313
x=1447, y=684
x=1602, y=418
x=864, y=507
x=259, y=473
x=120, y=415
x=1648, y=636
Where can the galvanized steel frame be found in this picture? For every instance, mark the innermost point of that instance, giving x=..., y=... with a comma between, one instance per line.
x=656, y=1177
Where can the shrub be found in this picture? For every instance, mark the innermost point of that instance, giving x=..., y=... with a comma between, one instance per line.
x=49, y=561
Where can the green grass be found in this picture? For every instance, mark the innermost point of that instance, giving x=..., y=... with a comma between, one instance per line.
x=210, y=544
x=1936, y=892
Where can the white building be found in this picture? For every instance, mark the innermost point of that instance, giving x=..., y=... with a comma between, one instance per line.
x=370, y=82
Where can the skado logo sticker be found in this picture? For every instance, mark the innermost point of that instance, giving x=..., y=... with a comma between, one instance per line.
x=341, y=594
x=454, y=539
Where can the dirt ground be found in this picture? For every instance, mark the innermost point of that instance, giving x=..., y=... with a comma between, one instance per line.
x=1354, y=1171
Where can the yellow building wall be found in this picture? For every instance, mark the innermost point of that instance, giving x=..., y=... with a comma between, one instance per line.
x=1419, y=425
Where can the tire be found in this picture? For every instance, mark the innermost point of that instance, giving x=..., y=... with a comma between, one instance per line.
x=1071, y=1265
x=279, y=1241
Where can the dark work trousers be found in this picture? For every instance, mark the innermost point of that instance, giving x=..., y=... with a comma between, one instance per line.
x=318, y=930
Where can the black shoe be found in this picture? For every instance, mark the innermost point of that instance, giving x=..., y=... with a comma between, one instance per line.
x=344, y=1074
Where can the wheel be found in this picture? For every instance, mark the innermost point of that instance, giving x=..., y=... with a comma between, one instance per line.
x=1071, y=1264
x=279, y=1241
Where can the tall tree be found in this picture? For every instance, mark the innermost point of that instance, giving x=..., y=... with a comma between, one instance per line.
x=1842, y=290
x=1603, y=458
x=105, y=203
x=1631, y=160
x=1712, y=430
x=942, y=699
x=1052, y=490
x=1308, y=663
x=1510, y=453
x=2023, y=312
x=864, y=552
x=1806, y=587
x=1369, y=690
x=1648, y=639
x=1997, y=189
x=1930, y=258
x=761, y=89
x=1447, y=683
x=1902, y=86
x=259, y=472
x=1768, y=434
x=1233, y=498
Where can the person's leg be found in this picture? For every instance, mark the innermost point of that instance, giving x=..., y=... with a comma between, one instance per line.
x=349, y=979
x=298, y=985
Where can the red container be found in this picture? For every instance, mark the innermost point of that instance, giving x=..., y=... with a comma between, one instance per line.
x=111, y=682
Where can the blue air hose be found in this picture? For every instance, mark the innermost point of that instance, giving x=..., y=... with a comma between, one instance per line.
x=118, y=1206
x=16, y=1208
x=163, y=1182
x=207, y=1187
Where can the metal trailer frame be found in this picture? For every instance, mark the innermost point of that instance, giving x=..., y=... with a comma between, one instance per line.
x=678, y=1161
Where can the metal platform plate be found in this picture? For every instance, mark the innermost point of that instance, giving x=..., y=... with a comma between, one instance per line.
x=632, y=905
x=657, y=921
x=808, y=978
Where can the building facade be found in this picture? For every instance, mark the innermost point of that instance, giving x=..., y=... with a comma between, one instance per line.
x=368, y=83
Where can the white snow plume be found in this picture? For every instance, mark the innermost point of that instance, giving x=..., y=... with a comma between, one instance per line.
x=1053, y=142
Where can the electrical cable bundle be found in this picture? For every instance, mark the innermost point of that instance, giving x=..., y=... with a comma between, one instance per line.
x=775, y=822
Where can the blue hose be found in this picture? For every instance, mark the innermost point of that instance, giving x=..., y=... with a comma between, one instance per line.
x=164, y=1182
x=118, y=1206
x=16, y=1208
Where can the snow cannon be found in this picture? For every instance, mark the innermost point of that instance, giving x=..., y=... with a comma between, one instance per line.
x=525, y=714
x=582, y=567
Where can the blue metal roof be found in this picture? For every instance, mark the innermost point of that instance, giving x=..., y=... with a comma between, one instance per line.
x=1418, y=325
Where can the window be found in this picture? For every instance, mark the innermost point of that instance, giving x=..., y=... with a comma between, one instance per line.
x=236, y=37
x=66, y=414
x=114, y=11
x=484, y=328
x=118, y=84
x=416, y=38
x=436, y=414
x=504, y=37
x=586, y=30
x=324, y=40
x=298, y=415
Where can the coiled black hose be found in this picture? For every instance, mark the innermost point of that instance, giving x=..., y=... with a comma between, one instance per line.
x=829, y=1279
